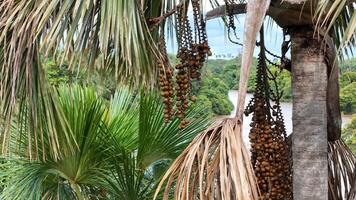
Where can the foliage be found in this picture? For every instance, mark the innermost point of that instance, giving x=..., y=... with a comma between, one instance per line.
x=347, y=78
x=284, y=83
x=102, y=81
x=347, y=98
x=57, y=74
x=348, y=86
x=339, y=18
x=118, y=143
x=223, y=75
x=228, y=72
x=78, y=168
x=110, y=35
x=215, y=91
x=348, y=65
x=349, y=134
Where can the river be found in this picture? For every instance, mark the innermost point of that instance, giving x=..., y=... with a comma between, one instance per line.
x=286, y=110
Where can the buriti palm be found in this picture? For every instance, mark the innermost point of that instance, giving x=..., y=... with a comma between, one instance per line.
x=48, y=133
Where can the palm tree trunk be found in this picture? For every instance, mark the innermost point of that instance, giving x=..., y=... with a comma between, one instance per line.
x=309, y=142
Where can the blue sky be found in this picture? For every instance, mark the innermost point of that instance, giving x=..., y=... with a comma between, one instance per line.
x=220, y=44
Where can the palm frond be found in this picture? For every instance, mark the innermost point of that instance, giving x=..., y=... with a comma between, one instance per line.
x=35, y=112
x=112, y=33
x=342, y=171
x=128, y=181
x=29, y=180
x=115, y=29
x=78, y=169
x=159, y=140
x=133, y=169
x=123, y=119
x=216, y=165
x=339, y=17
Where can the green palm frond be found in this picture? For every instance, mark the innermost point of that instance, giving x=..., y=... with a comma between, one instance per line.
x=128, y=181
x=119, y=146
x=122, y=119
x=29, y=180
x=158, y=140
x=106, y=34
x=78, y=169
x=114, y=29
x=35, y=112
x=339, y=17
x=134, y=171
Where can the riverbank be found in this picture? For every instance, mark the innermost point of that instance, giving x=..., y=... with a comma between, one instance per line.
x=287, y=108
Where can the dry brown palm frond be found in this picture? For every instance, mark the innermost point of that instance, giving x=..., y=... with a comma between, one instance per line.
x=216, y=165
x=342, y=171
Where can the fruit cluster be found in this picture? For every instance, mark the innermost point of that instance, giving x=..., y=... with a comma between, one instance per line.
x=191, y=54
x=165, y=72
x=268, y=141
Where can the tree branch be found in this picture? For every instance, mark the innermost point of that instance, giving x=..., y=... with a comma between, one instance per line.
x=221, y=11
x=284, y=14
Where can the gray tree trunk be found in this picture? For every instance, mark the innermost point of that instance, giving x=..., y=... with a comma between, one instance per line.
x=309, y=141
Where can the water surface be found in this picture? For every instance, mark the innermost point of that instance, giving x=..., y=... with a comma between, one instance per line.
x=286, y=111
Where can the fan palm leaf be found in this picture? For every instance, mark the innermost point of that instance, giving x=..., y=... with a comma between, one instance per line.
x=122, y=119
x=76, y=170
x=158, y=140
x=159, y=143
x=339, y=17
x=119, y=144
x=106, y=34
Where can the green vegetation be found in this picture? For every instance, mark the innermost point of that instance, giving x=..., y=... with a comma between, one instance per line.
x=121, y=149
x=213, y=93
x=349, y=134
x=222, y=75
x=219, y=77
x=348, y=86
x=348, y=98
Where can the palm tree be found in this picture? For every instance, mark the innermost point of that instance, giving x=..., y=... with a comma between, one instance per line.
x=116, y=34
x=316, y=113
x=113, y=35
x=120, y=145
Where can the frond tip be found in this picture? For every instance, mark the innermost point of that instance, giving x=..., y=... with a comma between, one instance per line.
x=342, y=171
x=216, y=165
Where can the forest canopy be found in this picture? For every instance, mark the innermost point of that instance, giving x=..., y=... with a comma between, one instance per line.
x=219, y=76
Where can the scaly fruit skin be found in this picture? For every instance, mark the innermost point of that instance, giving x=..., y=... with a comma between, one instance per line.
x=191, y=54
x=270, y=157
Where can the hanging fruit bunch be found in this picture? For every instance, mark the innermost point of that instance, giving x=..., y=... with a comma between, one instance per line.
x=165, y=73
x=231, y=28
x=269, y=153
x=192, y=52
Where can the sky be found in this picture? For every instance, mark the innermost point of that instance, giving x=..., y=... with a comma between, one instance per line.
x=220, y=44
